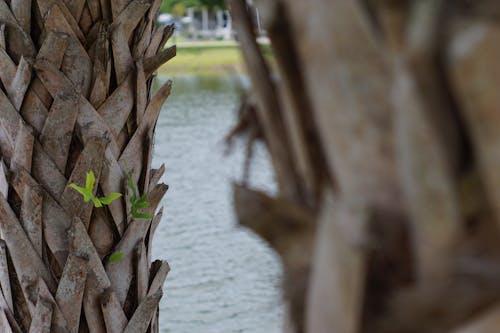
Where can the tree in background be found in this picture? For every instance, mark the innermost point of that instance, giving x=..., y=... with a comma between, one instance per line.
x=178, y=10
x=168, y=5
x=384, y=134
x=213, y=4
x=76, y=112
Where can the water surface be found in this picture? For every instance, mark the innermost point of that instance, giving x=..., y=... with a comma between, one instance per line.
x=223, y=279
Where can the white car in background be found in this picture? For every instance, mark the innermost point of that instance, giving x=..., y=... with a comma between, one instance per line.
x=165, y=19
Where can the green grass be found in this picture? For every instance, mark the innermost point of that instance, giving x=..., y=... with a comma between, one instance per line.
x=207, y=58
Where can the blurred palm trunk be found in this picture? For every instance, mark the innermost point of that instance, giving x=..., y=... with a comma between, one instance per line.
x=75, y=96
x=382, y=123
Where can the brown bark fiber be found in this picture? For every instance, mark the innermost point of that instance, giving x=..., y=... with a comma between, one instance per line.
x=382, y=121
x=75, y=96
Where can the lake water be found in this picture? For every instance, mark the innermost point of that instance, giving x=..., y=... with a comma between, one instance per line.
x=223, y=278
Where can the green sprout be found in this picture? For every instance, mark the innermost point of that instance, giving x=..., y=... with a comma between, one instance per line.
x=115, y=257
x=137, y=202
x=87, y=192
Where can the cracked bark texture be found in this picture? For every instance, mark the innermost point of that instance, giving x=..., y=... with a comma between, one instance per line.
x=76, y=96
x=381, y=118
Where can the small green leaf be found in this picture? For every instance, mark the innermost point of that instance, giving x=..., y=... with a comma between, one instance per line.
x=110, y=198
x=136, y=201
x=132, y=186
x=90, y=180
x=142, y=204
x=77, y=188
x=137, y=215
x=87, y=195
x=115, y=257
x=97, y=202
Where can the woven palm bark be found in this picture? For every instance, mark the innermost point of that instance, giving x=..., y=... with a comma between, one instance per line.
x=383, y=128
x=76, y=97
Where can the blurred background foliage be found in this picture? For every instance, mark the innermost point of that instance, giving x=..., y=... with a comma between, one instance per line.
x=178, y=7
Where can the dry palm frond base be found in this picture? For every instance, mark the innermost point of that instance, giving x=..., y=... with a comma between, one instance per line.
x=75, y=97
x=383, y=132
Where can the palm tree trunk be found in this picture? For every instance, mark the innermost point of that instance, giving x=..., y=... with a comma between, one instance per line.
x=383, y=131
x=76, y=97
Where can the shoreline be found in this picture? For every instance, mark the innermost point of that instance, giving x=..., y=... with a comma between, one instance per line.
x=208, y=58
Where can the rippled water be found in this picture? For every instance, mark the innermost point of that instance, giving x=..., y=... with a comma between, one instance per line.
x=223, y=278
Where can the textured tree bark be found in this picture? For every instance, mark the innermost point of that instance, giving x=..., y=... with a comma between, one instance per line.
x=382, y=125
x=75, y=96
